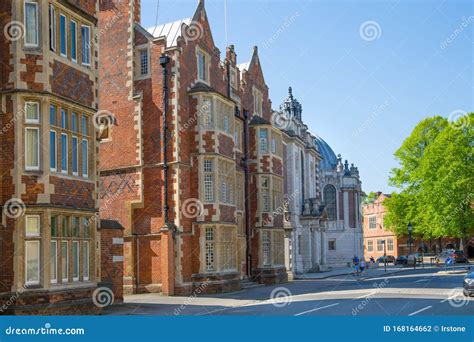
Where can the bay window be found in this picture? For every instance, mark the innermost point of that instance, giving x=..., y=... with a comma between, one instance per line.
x=32, y=249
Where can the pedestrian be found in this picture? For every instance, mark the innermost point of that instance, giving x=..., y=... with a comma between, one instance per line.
x=355, y=263
x=362, y=265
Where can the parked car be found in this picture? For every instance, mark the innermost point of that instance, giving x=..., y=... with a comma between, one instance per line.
x=401, y=260
x=468, y=284
x=390, y=259
x=460, y=258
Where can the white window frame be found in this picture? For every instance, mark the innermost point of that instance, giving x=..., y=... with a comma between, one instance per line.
x=75, y=173
x=37, y=105
x=263, y=145
x=38, y=234
x=66, y=171
x=65, y=35
x=375, y=219
x=75, y=40
x=27, y=2
x=55, y=168
x=32, y=167
x=86, y=174
x=65, y=280
x=54, y=254
x=86, y=265
x=36, y=242
x=206, y=66
x=52, y=28
x=88, y=46
x=370, y=245
x=76, y=260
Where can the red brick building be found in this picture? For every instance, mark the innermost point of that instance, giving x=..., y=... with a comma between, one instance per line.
x=190, y=163
x=375, y=233
x=49, y=242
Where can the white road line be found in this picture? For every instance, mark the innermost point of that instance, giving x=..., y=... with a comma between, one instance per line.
x=322, y=307
x=366, y=295
x=421, y=310
x=421, y=280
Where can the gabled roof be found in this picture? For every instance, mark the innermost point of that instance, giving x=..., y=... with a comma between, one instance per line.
x=172, y=31
x=258, y=120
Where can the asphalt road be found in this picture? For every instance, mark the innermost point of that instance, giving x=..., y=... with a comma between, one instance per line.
x=410, y=292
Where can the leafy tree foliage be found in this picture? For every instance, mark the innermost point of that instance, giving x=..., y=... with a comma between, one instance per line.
x=436, y=180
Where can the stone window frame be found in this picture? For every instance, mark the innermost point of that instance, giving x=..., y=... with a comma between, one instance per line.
x=278, y=243
x=334, y=201
x=69, y=238
x=89, y=45
x=71, y=22
x=65, y=55
x=207, y=120
x=67, y=130
x=263, y=141
x=37, y=21
x=265, y=189
x=219, y=248
x=207, y=64
x=139, y=49
x=33, y=239
x=332, y=245
x=208, y=175
x=266, y=247
x=36, y=126
x=226, y=181
x=224, y=115
x=239, y=191
x=52, y=28
x=277, y=191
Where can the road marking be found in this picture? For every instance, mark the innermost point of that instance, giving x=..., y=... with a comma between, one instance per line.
x=421, y=280
x=421, y=310
x=322, y=307
x=366, y=295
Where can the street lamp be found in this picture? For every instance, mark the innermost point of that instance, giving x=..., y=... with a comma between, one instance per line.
x=384, y=255
x=410, y=230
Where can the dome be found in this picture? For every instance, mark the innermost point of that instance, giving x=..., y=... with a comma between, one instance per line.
x=329, y=161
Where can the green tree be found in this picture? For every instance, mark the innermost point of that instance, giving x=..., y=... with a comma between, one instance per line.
x=436, y=180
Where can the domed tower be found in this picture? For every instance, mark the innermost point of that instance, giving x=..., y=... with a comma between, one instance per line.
x=291, y=107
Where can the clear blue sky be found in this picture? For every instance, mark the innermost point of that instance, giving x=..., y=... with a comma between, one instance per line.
x=363, y=96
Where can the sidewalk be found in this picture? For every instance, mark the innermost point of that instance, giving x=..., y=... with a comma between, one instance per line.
x=377, y=271
x=371, y=272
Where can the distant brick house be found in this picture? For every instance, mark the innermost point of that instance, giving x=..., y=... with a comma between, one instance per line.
x=375, y=233
x=191, y=168
x=49, y=242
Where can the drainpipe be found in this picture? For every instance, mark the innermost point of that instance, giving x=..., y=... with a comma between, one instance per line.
x=164, y=60
x=247, y=191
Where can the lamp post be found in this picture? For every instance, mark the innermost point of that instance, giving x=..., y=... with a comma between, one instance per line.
x=385, y=255
x=410, y=230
